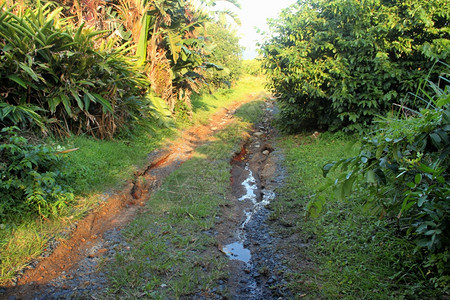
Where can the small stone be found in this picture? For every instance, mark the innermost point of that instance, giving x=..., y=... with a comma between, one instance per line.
x=266, y=152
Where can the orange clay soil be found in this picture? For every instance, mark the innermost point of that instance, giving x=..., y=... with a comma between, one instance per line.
x=120, y=208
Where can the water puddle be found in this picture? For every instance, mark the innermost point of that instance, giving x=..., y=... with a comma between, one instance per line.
x=237, y=251
x=250, y=187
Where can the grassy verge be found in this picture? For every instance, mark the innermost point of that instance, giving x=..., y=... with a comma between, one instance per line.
x=99, y=166
x=355, y=254
x=172, y=250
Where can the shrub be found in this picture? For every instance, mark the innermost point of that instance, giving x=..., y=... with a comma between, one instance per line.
x=338, y=64
x=226, y=53
x=31, y=180
x=404, y=166
x=252, y=67
x=54, y=75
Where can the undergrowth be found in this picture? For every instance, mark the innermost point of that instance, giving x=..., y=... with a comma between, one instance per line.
x=357, y=255
x=97, y=167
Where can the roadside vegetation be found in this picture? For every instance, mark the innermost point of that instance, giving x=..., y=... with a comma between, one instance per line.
x=379, y=71
x=345, y=251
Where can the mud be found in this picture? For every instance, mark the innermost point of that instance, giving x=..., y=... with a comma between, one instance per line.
x=255, y=267
x=71, y=270
x=68, y=269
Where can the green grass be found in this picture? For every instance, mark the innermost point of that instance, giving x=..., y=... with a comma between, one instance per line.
x=205, y=105
x=173, y=252
x=356, y=255
x=98, y=167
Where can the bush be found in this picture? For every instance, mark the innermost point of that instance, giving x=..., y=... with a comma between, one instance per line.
x=252, y=67
x=404, y=166
x=226, y=53
x=340, y=63
x=54, y=75
x=30, y=178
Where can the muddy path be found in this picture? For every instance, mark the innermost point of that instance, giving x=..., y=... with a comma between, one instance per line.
x=255, y=266
x=70, y=269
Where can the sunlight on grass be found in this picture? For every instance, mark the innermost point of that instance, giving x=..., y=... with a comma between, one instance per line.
x=356, y=254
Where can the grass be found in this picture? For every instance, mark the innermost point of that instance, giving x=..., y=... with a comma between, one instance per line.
x=355, y=254
x=173, y=252
x=99, y=167
x=207, y=104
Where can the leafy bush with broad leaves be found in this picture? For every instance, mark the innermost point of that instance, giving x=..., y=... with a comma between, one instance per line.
x=339, y=63
x=226, y=53
x=404, y=166
x=31, y=180
x=60, y=77
x=252, y=67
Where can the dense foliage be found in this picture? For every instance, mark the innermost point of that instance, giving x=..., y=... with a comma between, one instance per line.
x=226, y=54
x=339, y=63
x=31, y=178
x=51, y=75
x=404, y=167
x=104, y=65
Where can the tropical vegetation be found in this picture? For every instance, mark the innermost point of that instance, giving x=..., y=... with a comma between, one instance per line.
x=338, y=64
x=379, y=69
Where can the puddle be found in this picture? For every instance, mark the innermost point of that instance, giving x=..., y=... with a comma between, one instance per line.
x=237, y=251
x=250, y=186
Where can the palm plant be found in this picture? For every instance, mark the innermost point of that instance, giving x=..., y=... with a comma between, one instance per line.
x=169, y=41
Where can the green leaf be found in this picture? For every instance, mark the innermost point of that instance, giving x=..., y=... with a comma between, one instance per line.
x=421, y=201
x=371, y=176
x=105, y=103
x=418, y=178
x=326, y=169
x=29, y=71
x=141, y=50
x=410, y=185
x=18, y=80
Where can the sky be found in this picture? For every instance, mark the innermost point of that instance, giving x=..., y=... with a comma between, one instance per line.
x=254, y=13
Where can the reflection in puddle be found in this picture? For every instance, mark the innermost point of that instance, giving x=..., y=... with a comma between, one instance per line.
x=250, y=187
x=237, y=251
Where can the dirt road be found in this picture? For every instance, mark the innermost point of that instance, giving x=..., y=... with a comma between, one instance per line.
x=73, y=268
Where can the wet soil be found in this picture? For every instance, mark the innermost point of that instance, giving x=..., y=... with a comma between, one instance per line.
x=71, y=269
x=68, y=268
x=255, y=266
